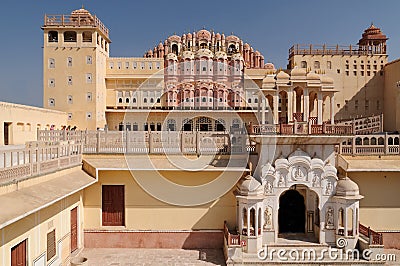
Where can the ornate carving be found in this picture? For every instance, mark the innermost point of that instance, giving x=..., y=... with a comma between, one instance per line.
x=328, y=188
x=329, y=218
x=268, y=218
x=298, y=173
x=268, y=187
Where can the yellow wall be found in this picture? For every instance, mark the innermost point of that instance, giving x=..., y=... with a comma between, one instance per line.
x=392, y=96
x=144, y=212
x=380, y=207
x=25, y=120
x=35, y=227
x=351, y=87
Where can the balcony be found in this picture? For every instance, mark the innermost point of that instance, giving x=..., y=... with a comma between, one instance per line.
x=37, y=158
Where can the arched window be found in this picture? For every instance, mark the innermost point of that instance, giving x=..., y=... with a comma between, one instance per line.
x=350, y=222
x=134, y=100
x=249, y=100
x=244, y=217
x=252, y=221
x=366, y=141
x=70, y=36
x=303, y=64
x=373, y=141
x=381, y=141
x=127, y=100
x=53, y=36
x=120, y=100
x=174, y=49
x=390, y=141
x=145, y=100
x=341, y=218
x=151, y=100
x=317, y=65
x=396, y=141
x=158, y=100
x=255, y=100
x=87, y=36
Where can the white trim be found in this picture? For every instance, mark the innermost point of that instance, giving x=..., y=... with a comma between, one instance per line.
x=151, y=231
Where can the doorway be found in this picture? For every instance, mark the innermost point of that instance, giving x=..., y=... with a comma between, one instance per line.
x=18, y=254
x=74, y=229
x=291, y=215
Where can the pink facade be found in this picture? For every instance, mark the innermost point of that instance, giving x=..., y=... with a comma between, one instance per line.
x=205, y=70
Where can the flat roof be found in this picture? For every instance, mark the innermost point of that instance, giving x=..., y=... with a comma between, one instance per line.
x=167, y=162
x=372, y=163
x=23, y=202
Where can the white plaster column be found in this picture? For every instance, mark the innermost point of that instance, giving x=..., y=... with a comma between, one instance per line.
x=332, y=109
x=306, y=103
x=345, y=225
x=256, y=222
x=319, y=113
x=276, y=112
x=259, y=107
x=263, y=110
x=248, y=221
x=290, y=105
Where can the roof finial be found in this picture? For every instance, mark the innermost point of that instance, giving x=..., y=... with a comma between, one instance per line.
x=83, y=7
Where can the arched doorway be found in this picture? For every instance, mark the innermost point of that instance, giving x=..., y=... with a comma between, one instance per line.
x=291, y=215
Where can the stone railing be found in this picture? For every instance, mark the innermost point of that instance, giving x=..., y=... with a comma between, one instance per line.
x=301, y=129
x=36, y=158
x=365, y=125
x=232, y=240
x=376, y=144
x=373, y=237
x=154, y=142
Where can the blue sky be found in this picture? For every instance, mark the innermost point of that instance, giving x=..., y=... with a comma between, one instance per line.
x=135, y=26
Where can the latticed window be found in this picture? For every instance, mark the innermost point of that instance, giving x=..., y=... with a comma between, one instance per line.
x=51, y=244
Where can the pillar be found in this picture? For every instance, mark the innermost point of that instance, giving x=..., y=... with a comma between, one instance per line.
x=259, y=107
x=306, y=103
x=319, y=113
x=276, y=112
x=263, y=107
x=248, y=221
x=256, y=222
x=290, y=105
x=332, y=109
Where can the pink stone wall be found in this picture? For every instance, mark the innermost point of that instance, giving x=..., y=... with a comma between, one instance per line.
x=123, y=239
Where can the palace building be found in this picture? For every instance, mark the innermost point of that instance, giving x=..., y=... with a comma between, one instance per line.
x=200, y=144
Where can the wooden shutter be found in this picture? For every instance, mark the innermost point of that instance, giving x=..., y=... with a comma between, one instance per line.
x=18, y=254
x=74, y=229
x=51, y=244
x=113, y=205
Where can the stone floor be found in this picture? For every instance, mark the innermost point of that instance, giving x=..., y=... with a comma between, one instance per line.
x=159, y=257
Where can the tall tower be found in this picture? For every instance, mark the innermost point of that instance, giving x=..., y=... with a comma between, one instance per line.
x=357, y=71
x=75, y=51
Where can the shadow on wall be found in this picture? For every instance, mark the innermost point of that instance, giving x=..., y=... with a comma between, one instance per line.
x=358, y=106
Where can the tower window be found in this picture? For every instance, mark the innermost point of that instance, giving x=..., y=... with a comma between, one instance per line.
x=87, y=36
x=52, y=63
x=111, y=65
x=126, y=65
x=52, y=102
x=150, y=65
x=142, y=65
x=70, y=99
x=52, y=83
x=70, y=36
x=89, y=96
x=88, y=115
x=88, y=60
x=69, y=80
x=53, y=36
x=69, y=61
x=88, y=78
x=317, y=65
x=158, y=65
x=119, y=64
x=303, y=64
